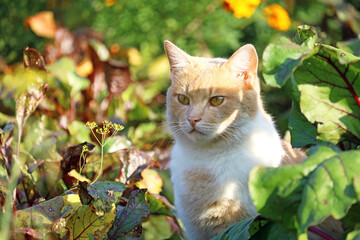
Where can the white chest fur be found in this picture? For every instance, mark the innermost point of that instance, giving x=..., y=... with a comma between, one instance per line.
x=210, y=184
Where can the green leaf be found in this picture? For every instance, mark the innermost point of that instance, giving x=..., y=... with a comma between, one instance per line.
x=299, y=196
x=357, y=186
x=85, y=221
x=156, y=227
x=116, y=143
x=46, y=150
x=158, y=206
x=351, y=46
x=105, y=194
x=127, y=224
x=239, y=230
x=303, y=133
x=255, y=228
x=279, y=60
x=328, y=81
x=44, y=214
x=305, y=36
x=64, y=70
x=354, y=235
x=79, y=132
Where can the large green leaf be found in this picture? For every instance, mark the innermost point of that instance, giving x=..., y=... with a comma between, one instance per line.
x=329, y=83
x=45, y=214
x=127, y=224
x=279, y=60
x=352, y=46
x=303, y=133
x=85, y=221
x=256, y=228
x=299, y=196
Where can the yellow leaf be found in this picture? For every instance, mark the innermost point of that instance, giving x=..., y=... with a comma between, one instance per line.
x=43, y=215
x=151, y=180
x=42, y=24
x=85, y=221
x=134, y=57
x=73, y=173
x=84, y=68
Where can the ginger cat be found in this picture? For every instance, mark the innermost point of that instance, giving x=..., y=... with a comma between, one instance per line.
x=221, y=130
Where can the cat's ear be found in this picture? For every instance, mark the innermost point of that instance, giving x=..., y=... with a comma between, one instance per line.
x=177, y=57
x=243, y=64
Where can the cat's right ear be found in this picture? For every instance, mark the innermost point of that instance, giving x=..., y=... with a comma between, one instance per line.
x=178, y=59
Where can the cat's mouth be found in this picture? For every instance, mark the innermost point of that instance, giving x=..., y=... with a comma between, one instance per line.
x=194, y=131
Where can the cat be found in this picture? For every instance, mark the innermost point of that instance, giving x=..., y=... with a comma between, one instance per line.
x=215, y=112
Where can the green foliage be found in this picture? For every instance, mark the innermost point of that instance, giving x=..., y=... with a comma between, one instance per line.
x=304, y=195
x=255, y=228
x=127, y=224
x=325, y=85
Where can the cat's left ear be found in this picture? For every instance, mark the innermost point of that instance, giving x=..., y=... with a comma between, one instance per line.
x=178, y=59
x=243, y=64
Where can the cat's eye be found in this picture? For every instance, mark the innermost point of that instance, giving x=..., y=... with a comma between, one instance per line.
x=183, y=99
x=216, y=101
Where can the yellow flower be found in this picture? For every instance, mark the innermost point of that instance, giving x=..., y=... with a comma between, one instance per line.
x=277, y=17
x=242, y=8
x=85, y=148
x=118, y=127
x=91, y=125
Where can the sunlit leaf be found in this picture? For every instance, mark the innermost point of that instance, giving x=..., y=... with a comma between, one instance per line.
x=84, y=68
x=151, y=181
x=85, y=221
x=46, y=213
x=354, y=235
x=79, y=132
x=299, y=196
x=306, y=36
x=328, y=80
x=117, y=143
x=42, y=24
x=157, y=204
x=280, y=59
x=351, y=46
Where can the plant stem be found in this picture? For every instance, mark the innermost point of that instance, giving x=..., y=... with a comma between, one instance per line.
x=101, y=163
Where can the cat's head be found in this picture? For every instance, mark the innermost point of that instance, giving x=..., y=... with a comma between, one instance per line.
x=210, y=99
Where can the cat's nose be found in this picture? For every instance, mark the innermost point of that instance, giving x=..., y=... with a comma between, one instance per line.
x=193, y=120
